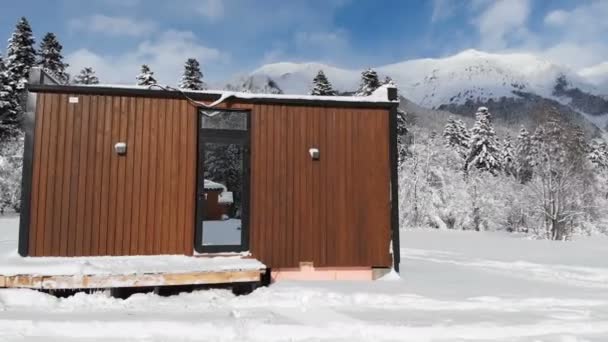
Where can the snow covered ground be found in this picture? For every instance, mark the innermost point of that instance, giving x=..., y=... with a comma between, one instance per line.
x=454, y=286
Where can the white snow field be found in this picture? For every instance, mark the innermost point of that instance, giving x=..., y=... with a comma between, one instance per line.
x=454, y=286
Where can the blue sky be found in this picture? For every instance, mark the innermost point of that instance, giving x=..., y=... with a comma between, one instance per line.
x=236, y=36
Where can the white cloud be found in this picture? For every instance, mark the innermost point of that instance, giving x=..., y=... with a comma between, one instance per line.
x=581, y=35
x=501, y=20
x=165, y=54
x=575, y=37
x=556, y=18
x=113, y=26
x=210, y=9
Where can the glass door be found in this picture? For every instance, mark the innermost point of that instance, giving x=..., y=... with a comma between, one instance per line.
x=223, y=182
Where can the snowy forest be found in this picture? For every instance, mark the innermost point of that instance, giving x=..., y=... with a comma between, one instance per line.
x=549, y=181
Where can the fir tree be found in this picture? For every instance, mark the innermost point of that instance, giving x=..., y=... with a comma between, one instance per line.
x=456, y=135
x=86, y=76
x=369, y=83
x=598, y=153
x=192, y=78
x=321, y=85
x=402, y=131
x=483, y=150
x=9, y=106
x=508, y=157
x=20, y=54
x=523, y=156
x=50, y=58
x=146, y=76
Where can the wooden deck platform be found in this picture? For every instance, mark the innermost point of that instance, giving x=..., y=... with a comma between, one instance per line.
x=56, y=282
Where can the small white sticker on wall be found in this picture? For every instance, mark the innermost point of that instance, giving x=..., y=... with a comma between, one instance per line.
x=73, y=99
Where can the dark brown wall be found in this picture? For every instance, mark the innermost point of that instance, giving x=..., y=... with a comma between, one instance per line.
x=86, y=200
x=334, y=211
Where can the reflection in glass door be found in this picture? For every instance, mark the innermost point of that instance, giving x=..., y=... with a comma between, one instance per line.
x=223, y=194
x=223, y=178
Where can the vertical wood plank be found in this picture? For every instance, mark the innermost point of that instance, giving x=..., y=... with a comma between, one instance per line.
x=129, y=159
x=316, y=189
x=114, y=175
x=119, y=234
x=280, y=190
x=137, y=200
x=152, y=186
x=172, y=227
x=270, y=178
x=90, y=170
x=145, y=177
x=288, y=225
x=160, y=184
x=322, y=194
x=100, y=166
x=181, y=174
x=80, y=179
x=62, y=181
x=106, y=185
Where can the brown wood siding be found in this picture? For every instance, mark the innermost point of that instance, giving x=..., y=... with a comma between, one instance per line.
x=335, y=211
x=87, y=200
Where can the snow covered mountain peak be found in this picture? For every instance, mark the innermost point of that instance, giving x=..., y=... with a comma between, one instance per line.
x=432, y=82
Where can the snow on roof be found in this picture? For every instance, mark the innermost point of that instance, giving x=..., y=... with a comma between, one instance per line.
x=211, y=185
x=378, y=96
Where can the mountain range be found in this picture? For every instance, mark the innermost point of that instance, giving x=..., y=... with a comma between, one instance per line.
x=514, y=86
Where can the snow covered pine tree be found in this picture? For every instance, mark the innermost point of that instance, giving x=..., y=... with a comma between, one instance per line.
x=369, y=83
x=523, y=156
x=321, y=85
x=192, y=78
x=598, y=153
x=9, y=106
x=483, y=151
x=456, y=135
x=146, y=76
x=50, y=58
x=20, y=57
x=508, y=157
x=20, y=54
x=86, y=76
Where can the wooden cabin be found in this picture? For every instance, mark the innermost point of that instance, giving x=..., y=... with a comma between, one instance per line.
x=119, y=171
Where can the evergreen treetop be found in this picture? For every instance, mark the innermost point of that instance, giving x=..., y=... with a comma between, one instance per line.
x=369, y=83
x=50, y=58
x=192, y=77
x=146, y=76
x=508, y=157
x=484, y=151
x=523, y=156
x=86, y=76
x=321, y=85
x=9, y=106
x=456, y=135
x=20, y=54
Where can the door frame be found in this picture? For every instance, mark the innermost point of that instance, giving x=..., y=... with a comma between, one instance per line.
x=226, y=136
